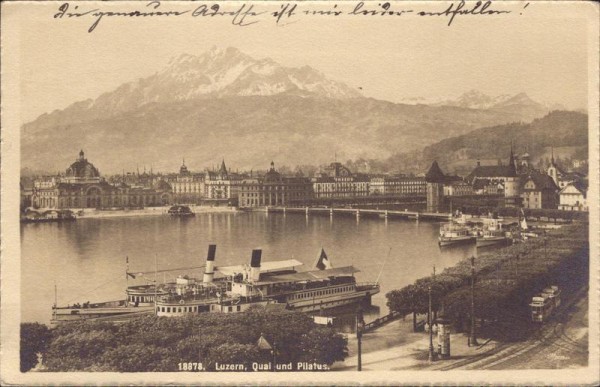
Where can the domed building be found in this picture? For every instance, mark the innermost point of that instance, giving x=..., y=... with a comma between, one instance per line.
x=272, y=176
x=83, y=187
x=81, y=171
x=187, y=187
x=273, y=189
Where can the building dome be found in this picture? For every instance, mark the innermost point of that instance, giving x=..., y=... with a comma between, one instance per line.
x=183, y=170
x=272, y=176
x=81, y=168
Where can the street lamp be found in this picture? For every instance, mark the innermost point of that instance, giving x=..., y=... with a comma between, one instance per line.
x=431, y=356
x=360, y=326
x=472, y=338
x=545, y=251
x=429, y=317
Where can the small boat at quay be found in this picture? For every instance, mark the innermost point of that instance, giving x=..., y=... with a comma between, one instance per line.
x=179, y=210
x=139, y=300
x=492, y=234
x=32, y=215
x=452, y=233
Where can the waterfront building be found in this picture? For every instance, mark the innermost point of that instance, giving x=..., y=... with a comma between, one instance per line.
x=221, y=184
x=83, y=187
x=81, y=172
x=337, y=181
x=187, y=187
x=538, y=190
x=573, y=197
x=499, y=175
x=397, y=186
x=273, y=189
x=458, y=188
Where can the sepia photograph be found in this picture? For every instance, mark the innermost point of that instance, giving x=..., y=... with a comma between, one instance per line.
x=311, y=192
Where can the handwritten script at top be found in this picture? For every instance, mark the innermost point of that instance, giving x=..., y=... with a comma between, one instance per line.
x=247, y=14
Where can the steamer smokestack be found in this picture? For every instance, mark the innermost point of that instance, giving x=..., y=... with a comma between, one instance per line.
x=255, y=265
x=210, y=262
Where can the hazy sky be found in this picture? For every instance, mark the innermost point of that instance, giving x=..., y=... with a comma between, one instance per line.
x=542, y=52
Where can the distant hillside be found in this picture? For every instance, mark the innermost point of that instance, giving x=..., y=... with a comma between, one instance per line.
x=559, y=129
x=248, y=132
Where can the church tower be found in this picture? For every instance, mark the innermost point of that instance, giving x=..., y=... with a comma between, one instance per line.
x=553, y=169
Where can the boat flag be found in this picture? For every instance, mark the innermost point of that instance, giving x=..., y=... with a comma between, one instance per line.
x=127, y=273
x=323, y=262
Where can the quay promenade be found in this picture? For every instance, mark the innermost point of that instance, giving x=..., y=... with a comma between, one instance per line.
x=362, y=212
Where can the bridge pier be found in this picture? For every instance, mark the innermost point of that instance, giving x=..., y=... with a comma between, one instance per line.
x=306, y=211
x=357, y=214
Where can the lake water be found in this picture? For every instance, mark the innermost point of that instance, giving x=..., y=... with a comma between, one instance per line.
x=86, y=259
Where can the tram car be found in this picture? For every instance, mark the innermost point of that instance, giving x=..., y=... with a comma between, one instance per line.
x=544, y=304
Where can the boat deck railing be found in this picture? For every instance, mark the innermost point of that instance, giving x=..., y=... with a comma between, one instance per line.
x=85, y=305
x=367, y=285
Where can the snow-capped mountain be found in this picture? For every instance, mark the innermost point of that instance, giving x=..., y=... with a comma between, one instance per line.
x=221, y=73
x=226, y=103
x=475, y=99
x=216, y=73
x=229, y=72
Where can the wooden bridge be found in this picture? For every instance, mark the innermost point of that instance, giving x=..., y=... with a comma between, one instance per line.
x=362, y=212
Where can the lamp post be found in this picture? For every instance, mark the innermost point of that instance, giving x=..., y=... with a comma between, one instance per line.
x=274, y=356
x=360, y=325
x=472, y=338
x=431, y=354
x=545, y=251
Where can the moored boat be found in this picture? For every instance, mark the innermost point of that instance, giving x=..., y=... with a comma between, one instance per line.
x=237, y=288
x=179, y=210
x=492, y=234
x=32, y=215
x=139, y=299
x=274, y=284
x=451, y=233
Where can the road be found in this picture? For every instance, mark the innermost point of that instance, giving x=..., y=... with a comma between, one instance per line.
x=560, y=343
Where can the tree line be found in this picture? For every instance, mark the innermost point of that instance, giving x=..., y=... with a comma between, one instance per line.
x=506, y=279
x=154, y=343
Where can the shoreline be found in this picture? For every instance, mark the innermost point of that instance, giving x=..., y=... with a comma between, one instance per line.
x=150, y=211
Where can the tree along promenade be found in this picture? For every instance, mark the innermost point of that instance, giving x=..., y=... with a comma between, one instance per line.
x=505, y=281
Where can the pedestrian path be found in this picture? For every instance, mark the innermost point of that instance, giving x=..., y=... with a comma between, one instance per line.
x=395, y=347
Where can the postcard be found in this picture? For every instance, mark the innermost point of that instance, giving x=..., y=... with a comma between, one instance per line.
x=299, y=192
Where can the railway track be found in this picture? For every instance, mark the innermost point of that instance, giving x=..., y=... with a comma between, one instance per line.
x=551, y=334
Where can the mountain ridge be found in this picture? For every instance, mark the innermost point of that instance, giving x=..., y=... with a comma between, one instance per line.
x=225, y=103
x=459, y=153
